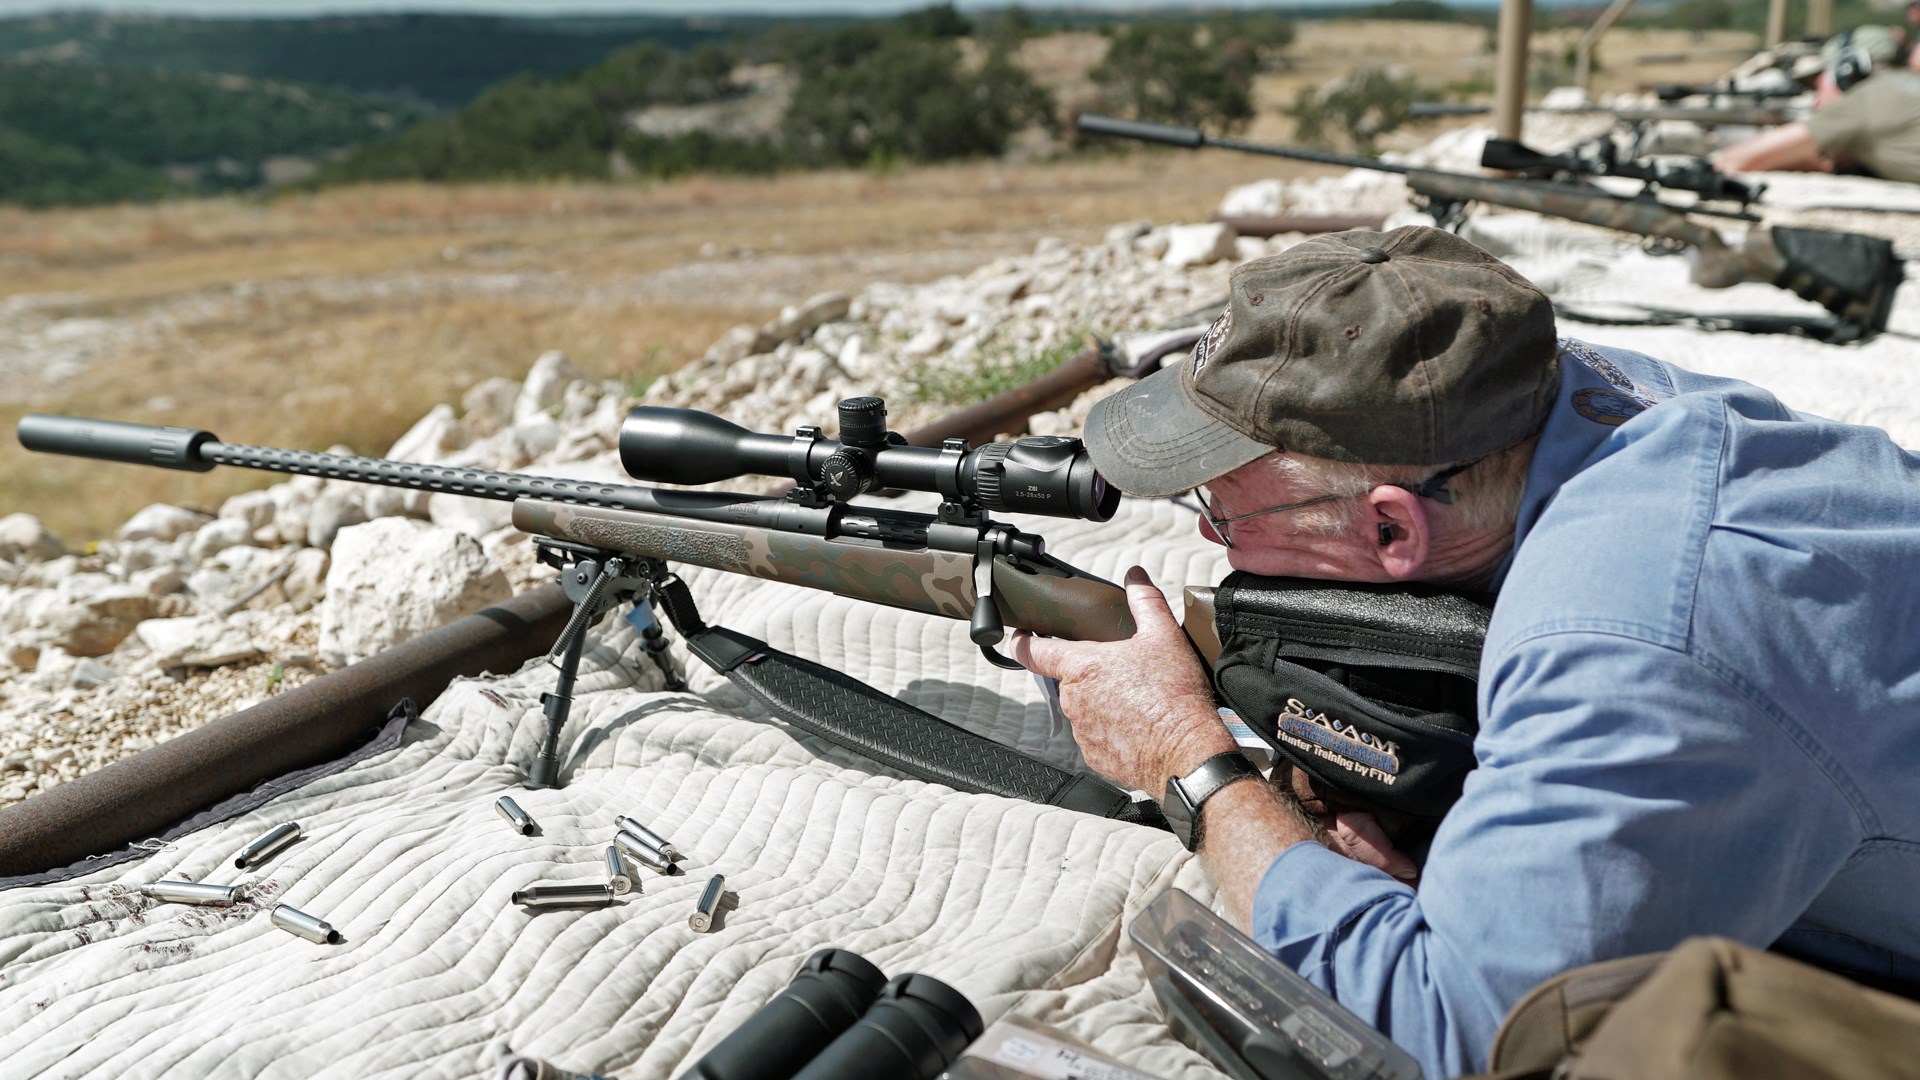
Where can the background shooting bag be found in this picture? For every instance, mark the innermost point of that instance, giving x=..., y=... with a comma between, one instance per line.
x=1370, y=689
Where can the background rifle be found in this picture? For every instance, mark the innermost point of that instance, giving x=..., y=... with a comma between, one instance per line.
x=613, y=543
x=1706, y=116
x=1852, y=275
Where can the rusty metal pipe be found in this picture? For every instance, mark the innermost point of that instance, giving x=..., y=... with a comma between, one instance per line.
x=1008, y=412
x=140, y=796
x=1263, y=227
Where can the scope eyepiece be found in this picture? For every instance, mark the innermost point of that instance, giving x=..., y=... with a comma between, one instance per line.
x=1047, y=475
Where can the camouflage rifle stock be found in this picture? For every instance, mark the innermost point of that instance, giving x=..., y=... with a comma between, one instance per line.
x=1852, y=275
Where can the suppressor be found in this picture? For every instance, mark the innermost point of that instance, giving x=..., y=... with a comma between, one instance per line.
x=193, y=892
x=617, y=878
x=546, y=896
x=259, y=850
x=299, y=922
x=709, y=906
x=655, y=840
x=515, y=816
x=644, y=853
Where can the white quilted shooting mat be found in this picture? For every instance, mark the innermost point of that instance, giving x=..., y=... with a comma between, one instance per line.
x=1020, y=907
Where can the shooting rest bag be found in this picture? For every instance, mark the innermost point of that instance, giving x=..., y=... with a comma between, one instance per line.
x=1369, y=689
x=1710, y=1008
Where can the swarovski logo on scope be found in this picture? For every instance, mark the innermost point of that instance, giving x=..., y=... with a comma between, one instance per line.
x=1041, y=474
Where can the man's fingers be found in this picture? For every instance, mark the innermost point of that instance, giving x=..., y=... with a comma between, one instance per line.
x=1037, y=654
x=1147, y=603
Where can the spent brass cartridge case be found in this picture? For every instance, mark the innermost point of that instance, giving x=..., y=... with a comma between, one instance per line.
x=259, y=850
x=515, y=816
x=659, y=843
x=643, y=853
x=293, y=920
x=702, y=918
x=193, y=892
x=546, y=896
x=617, y=878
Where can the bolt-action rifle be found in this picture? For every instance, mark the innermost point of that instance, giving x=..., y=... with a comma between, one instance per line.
x=1852, y=275
x=613, y=544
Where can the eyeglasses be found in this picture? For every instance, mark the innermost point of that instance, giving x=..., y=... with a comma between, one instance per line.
x=1433, y=487
x=1219, y=524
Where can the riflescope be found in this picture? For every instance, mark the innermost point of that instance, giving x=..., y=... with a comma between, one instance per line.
x=1041, y=474
x=828, y=996
x=914, y=1032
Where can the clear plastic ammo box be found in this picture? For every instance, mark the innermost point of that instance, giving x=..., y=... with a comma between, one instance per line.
x=1250, y=1014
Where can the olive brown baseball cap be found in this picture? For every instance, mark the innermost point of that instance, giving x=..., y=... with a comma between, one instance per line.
x=1410, y=347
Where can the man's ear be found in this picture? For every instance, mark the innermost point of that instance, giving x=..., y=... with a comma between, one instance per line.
x=1396, y=517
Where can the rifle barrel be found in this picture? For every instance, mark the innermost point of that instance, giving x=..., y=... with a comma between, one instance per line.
x=199, y=451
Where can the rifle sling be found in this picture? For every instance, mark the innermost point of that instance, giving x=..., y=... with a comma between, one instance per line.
x=848, y=713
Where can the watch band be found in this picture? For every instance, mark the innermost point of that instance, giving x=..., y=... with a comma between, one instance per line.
x=1187, y=794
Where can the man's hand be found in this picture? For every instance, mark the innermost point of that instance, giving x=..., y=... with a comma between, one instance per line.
x=1142, y=709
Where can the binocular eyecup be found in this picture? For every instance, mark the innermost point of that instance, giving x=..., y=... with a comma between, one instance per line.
x=841, y=1019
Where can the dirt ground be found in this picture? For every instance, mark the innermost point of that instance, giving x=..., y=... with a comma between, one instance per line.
x=342, y=317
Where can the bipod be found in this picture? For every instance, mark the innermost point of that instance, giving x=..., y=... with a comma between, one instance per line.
x=596, y=580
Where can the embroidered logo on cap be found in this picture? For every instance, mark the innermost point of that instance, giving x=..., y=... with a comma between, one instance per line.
x=1215, y=333
x=1345, y=745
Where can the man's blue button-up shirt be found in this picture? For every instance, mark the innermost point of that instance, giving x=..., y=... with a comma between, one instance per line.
x=1700, y=714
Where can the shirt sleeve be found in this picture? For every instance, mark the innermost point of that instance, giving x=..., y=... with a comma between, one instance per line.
x=1627, y=796
x=1840, y=127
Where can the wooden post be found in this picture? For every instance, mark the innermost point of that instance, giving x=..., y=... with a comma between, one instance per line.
x=1776, y=22
x=1819, y=18
x=1510, y=80
x=1583, y=52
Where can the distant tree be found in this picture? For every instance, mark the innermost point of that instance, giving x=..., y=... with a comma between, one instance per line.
x=909, y=100
x=938, y=21
x=37, y=173
x=1361, y=106
x=1263, y=34
x=1160, y=71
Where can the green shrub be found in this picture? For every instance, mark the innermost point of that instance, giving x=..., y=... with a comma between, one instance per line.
x=1160, y=71
x=1359, y=108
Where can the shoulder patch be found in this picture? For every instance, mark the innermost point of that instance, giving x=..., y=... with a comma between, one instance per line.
x=1608, y=407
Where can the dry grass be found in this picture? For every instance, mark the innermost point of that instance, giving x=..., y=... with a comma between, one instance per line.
x=341, y=317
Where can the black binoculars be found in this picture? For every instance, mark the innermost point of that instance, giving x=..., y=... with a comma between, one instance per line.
x=842, y=1019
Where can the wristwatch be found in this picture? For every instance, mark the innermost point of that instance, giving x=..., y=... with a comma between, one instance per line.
x=1186, y=794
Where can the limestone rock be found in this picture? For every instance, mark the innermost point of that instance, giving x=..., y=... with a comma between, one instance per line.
x=1262, y=198
x=546, y=385
x=431, y=438
x=161, y=522
x=334, y=509
x=24, y=537
x=1199, y=245
x=394, y=579
x=306, y=582
x=253, y=507
x=198, y=641
x=487, y=406
x=218, y=535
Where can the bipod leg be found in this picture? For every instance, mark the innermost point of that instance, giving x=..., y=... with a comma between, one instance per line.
x=595, y=580
x=556, y=704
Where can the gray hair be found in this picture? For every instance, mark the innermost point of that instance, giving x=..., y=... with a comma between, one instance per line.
x=1486, y=496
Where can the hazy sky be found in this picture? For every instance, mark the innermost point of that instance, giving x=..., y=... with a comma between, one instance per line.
x=553, y=7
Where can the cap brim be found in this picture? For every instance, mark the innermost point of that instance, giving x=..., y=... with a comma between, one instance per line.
x=1152, y=440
